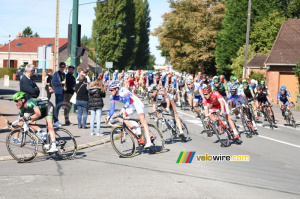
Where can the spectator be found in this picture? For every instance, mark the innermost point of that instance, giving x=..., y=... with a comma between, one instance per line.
x=85, y=73
x=82, y=99
x=27, y=85
x=97, y=92
x=70, y=87
x=58, y=82
x=48, y=87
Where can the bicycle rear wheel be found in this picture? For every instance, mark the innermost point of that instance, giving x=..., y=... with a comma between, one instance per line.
x=123, y=142
x=65, y=143
x=156, y=138
x=222, y=134
x=24, y=151
x=268, y=117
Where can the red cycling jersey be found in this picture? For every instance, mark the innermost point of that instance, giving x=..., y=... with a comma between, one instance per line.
x=130, y=82
x=214, y=102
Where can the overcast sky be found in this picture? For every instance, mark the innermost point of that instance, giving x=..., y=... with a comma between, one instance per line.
x=39, y=15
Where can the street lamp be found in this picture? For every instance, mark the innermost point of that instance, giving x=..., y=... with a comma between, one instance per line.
x=103, y=1
x=98, y=32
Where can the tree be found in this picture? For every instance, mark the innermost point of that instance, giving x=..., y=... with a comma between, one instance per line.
x=233, y=34
x=27, y=32
x=188, y=33
x=150, y=63
x=265, y=31
x=238, y=62
x=36, y=35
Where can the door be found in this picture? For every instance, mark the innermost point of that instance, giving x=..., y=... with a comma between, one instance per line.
x=291, y=83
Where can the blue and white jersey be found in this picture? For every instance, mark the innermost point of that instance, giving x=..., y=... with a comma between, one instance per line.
x=195, y=90
x=115, y=76
x=283, y=97
x=106, y=77
x=237, y=99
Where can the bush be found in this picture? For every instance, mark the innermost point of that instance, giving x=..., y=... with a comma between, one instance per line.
x=257, y=76
x=7, y=71
x=297, y=73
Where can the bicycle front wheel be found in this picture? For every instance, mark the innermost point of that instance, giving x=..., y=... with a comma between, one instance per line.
x=165, y=129
x=123, y=142
x=65, y=143
x=156, y=138
x=186, y=134
x=22, y=146
x=222, y=134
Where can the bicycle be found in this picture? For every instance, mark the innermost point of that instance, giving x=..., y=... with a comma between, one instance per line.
x=222, y=130
x=123, y=139
x=169, y=125
x=183, y=100
x=246, y=119
x=288, y=116
x=267, y=114
x=27, y=148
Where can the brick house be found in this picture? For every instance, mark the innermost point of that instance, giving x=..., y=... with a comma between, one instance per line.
x=283, y=57
x=23, y=51
x=257, y=65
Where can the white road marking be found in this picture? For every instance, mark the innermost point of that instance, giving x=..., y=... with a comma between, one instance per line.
x=196, y=122
x=294, y=145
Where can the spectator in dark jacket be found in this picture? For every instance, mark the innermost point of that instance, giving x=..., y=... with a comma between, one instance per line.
x=70, y=87
x=96, y=92
x=58, y=82
x=82, y=99
x=27, y=85
x=48, y=88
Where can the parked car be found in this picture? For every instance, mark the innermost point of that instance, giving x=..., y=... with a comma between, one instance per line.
x=37, y=77
x=20, y=73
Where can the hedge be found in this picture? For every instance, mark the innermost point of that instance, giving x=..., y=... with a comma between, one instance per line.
x=7, y=71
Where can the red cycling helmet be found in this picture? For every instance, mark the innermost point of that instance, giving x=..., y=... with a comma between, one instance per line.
x=207, y=90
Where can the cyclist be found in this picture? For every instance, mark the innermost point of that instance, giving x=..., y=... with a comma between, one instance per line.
x=284, y=99
x=214, y=101
x=193, y=93
x=150, y=78
x=36, y=109
x=220, y=87
x=237, y=96
x=131, y=104
x=253, y=85
x=106, y=76
x=204, y=79
x=180, y=87
x=247, y=89
x=263, y=98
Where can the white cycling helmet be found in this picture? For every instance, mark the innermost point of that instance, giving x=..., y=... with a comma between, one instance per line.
x=114, y=84
x=163, y=73
x=190, y=80
x=253, y=81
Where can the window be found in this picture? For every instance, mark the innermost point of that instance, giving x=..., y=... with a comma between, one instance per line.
x=19, y=44
x=49, y=45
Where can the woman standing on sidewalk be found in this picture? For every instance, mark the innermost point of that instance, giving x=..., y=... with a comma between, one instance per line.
x=82, y=99
x=48, y=87
x=97, y=92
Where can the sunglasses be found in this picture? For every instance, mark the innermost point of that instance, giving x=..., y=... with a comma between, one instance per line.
x=16, y=101
x=111, y=90
x=206, y=94
x=62, y=66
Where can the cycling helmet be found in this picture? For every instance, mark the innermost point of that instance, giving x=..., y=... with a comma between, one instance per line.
x=190, y=80
x=163, y=74
x=203, y=75
x=151, y=71
x=207, y=90
x=259, y=88
x=19, y=95
x=106, y=72
x=114, y=84
x=282, y=88
x=253, y=81
x=233, y=78
x=244, y=81
x=262, y=82
x=233, y=89
x=160, y=98
x=216, y=79
x=157, y=74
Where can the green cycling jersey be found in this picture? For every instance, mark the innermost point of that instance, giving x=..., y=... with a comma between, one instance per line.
x=46, y=108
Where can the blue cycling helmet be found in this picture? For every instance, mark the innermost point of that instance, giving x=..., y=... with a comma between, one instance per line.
x=114, y=84
x=282, y=88
x=151, y=71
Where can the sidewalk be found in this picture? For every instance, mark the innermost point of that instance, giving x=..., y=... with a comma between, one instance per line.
x=8, y=111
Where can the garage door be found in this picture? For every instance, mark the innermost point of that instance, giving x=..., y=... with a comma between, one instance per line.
x=291, y=83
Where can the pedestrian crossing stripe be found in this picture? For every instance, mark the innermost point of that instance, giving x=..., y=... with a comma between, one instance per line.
x=186, y=156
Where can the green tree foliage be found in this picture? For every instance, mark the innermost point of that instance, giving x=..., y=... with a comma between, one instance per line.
x=36, y=35
x=188, y=33
x=27, y=32
x=257, y=76
x=114, y=42
x=233, y=34
x=291, y=8
x=142, y=24
x=150, y=63
x=297, y=73
x=238, y=62
x=265, y=31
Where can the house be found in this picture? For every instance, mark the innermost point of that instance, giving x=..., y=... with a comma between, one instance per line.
x=23, y=51
x=257, y=65
x=283, y=57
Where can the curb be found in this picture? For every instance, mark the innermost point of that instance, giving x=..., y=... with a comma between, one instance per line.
x=80, y=147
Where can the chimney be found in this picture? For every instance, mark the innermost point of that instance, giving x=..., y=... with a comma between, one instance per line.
x=19, y=35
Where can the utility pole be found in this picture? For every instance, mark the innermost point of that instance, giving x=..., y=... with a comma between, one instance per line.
x=56, y=51
x=247, y=39
x=8, y=52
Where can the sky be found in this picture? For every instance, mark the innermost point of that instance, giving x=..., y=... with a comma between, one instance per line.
x=40, y=16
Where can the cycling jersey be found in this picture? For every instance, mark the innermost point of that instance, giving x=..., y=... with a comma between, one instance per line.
x=181, y=83
x=214, y=104
x=236, y=99
x=248, y=92
x=283, y=97
x=150, y=79
x=253, y=87
x=106, y=77
x=164, y=80
x=130, y=82
x=46, y=108
x=222, y=88
x=261, y=98
x=131, y=101
x=115, y=76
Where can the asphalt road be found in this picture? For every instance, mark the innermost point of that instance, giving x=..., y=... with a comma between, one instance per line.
x=272, y=172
